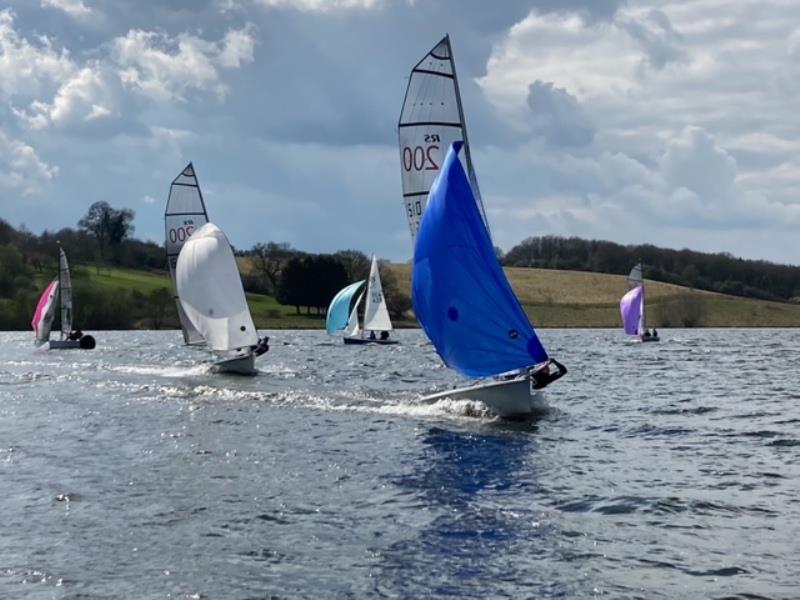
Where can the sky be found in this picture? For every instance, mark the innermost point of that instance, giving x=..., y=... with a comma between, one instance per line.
x=673, y=123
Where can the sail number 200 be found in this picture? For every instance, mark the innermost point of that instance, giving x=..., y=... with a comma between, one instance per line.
x=180, y=234
x=420, y=158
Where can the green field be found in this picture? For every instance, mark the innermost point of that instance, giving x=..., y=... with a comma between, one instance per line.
x=551, y=299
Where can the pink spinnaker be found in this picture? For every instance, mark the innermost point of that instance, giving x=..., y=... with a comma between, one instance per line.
x=45, y=313
x=630, y=307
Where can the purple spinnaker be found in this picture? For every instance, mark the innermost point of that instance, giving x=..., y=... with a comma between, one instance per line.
x=630, y=307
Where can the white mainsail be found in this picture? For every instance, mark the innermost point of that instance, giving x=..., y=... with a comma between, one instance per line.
x=186, y=212
x=352, y=329
x=211, y=293
x=376, y=315
x=431, y=119
x=65, y=287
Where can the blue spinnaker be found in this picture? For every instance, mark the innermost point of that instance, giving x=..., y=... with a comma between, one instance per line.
x=339, y=309
x=461, y=296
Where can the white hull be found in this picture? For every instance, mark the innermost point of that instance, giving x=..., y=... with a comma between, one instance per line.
x=509, y=398
x=244, y=364
x=64, y=344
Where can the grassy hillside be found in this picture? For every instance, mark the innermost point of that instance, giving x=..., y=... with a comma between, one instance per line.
x=579, y=299
x=551, y=299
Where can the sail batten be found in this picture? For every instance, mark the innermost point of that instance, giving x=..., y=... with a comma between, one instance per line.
x=461, y=296
x=185, y=213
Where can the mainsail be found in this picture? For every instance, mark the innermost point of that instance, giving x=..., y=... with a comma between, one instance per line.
x=461, y=296
x=376, y=315
x=45, y=313
x=185, y=213
x=431, y=119
x=211, y=293
x=339, y=314
x=65, y=288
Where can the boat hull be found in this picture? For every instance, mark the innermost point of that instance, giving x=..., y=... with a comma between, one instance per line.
x=64, y=344
x=362, y=341
x=244, y=364
x=650, y=339
x=509, y=398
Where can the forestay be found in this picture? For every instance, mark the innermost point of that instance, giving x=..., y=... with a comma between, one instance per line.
x=631, y=310
x=65, y=288
x=376, y=315
x=461, y=296
x=339, y=308
x=431, y=119
x=211, y=293
x=45, y=313
x=185, y=213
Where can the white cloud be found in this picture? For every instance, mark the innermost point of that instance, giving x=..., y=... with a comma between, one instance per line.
x=21, y=168
x=86, y=96
x=25, y=66
x=148, y=199
x=165, y=68
x=75, y=8
x=320, y=5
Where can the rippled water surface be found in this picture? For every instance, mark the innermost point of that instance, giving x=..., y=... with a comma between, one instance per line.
x=661, y=471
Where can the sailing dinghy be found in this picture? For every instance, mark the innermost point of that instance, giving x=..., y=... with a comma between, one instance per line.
x=343, y=312
x=461, y=296
x=466, y=305
x=186, y=211
x=44, y=315
x=211, y=295
x=631, y=308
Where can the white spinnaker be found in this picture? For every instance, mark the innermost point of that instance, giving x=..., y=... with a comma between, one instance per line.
x=352, y=328
x=211, y=293
x=186, y=212
x=376, y=315
x=65, y=287
x=430, y=121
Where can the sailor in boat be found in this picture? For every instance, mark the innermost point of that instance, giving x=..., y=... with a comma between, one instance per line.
x=74, y=336
x=543, y=376
x=262, y=346
x=384, y=335
x=655, y=333
x=646, y=333
x=372, y=335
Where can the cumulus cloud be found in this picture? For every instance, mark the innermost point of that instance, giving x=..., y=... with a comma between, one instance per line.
x=557, y=116
x=21, y=168
x=86, y=96
x=26, y=66
x=75, y=8
x=165, y=68
x=320, y=5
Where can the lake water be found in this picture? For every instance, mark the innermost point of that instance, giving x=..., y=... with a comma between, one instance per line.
x=667, y=470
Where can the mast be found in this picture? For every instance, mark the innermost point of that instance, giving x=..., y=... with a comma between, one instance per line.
x=467, y=153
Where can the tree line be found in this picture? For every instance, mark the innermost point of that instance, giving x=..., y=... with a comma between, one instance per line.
x=717, y=272
x=103, y=238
